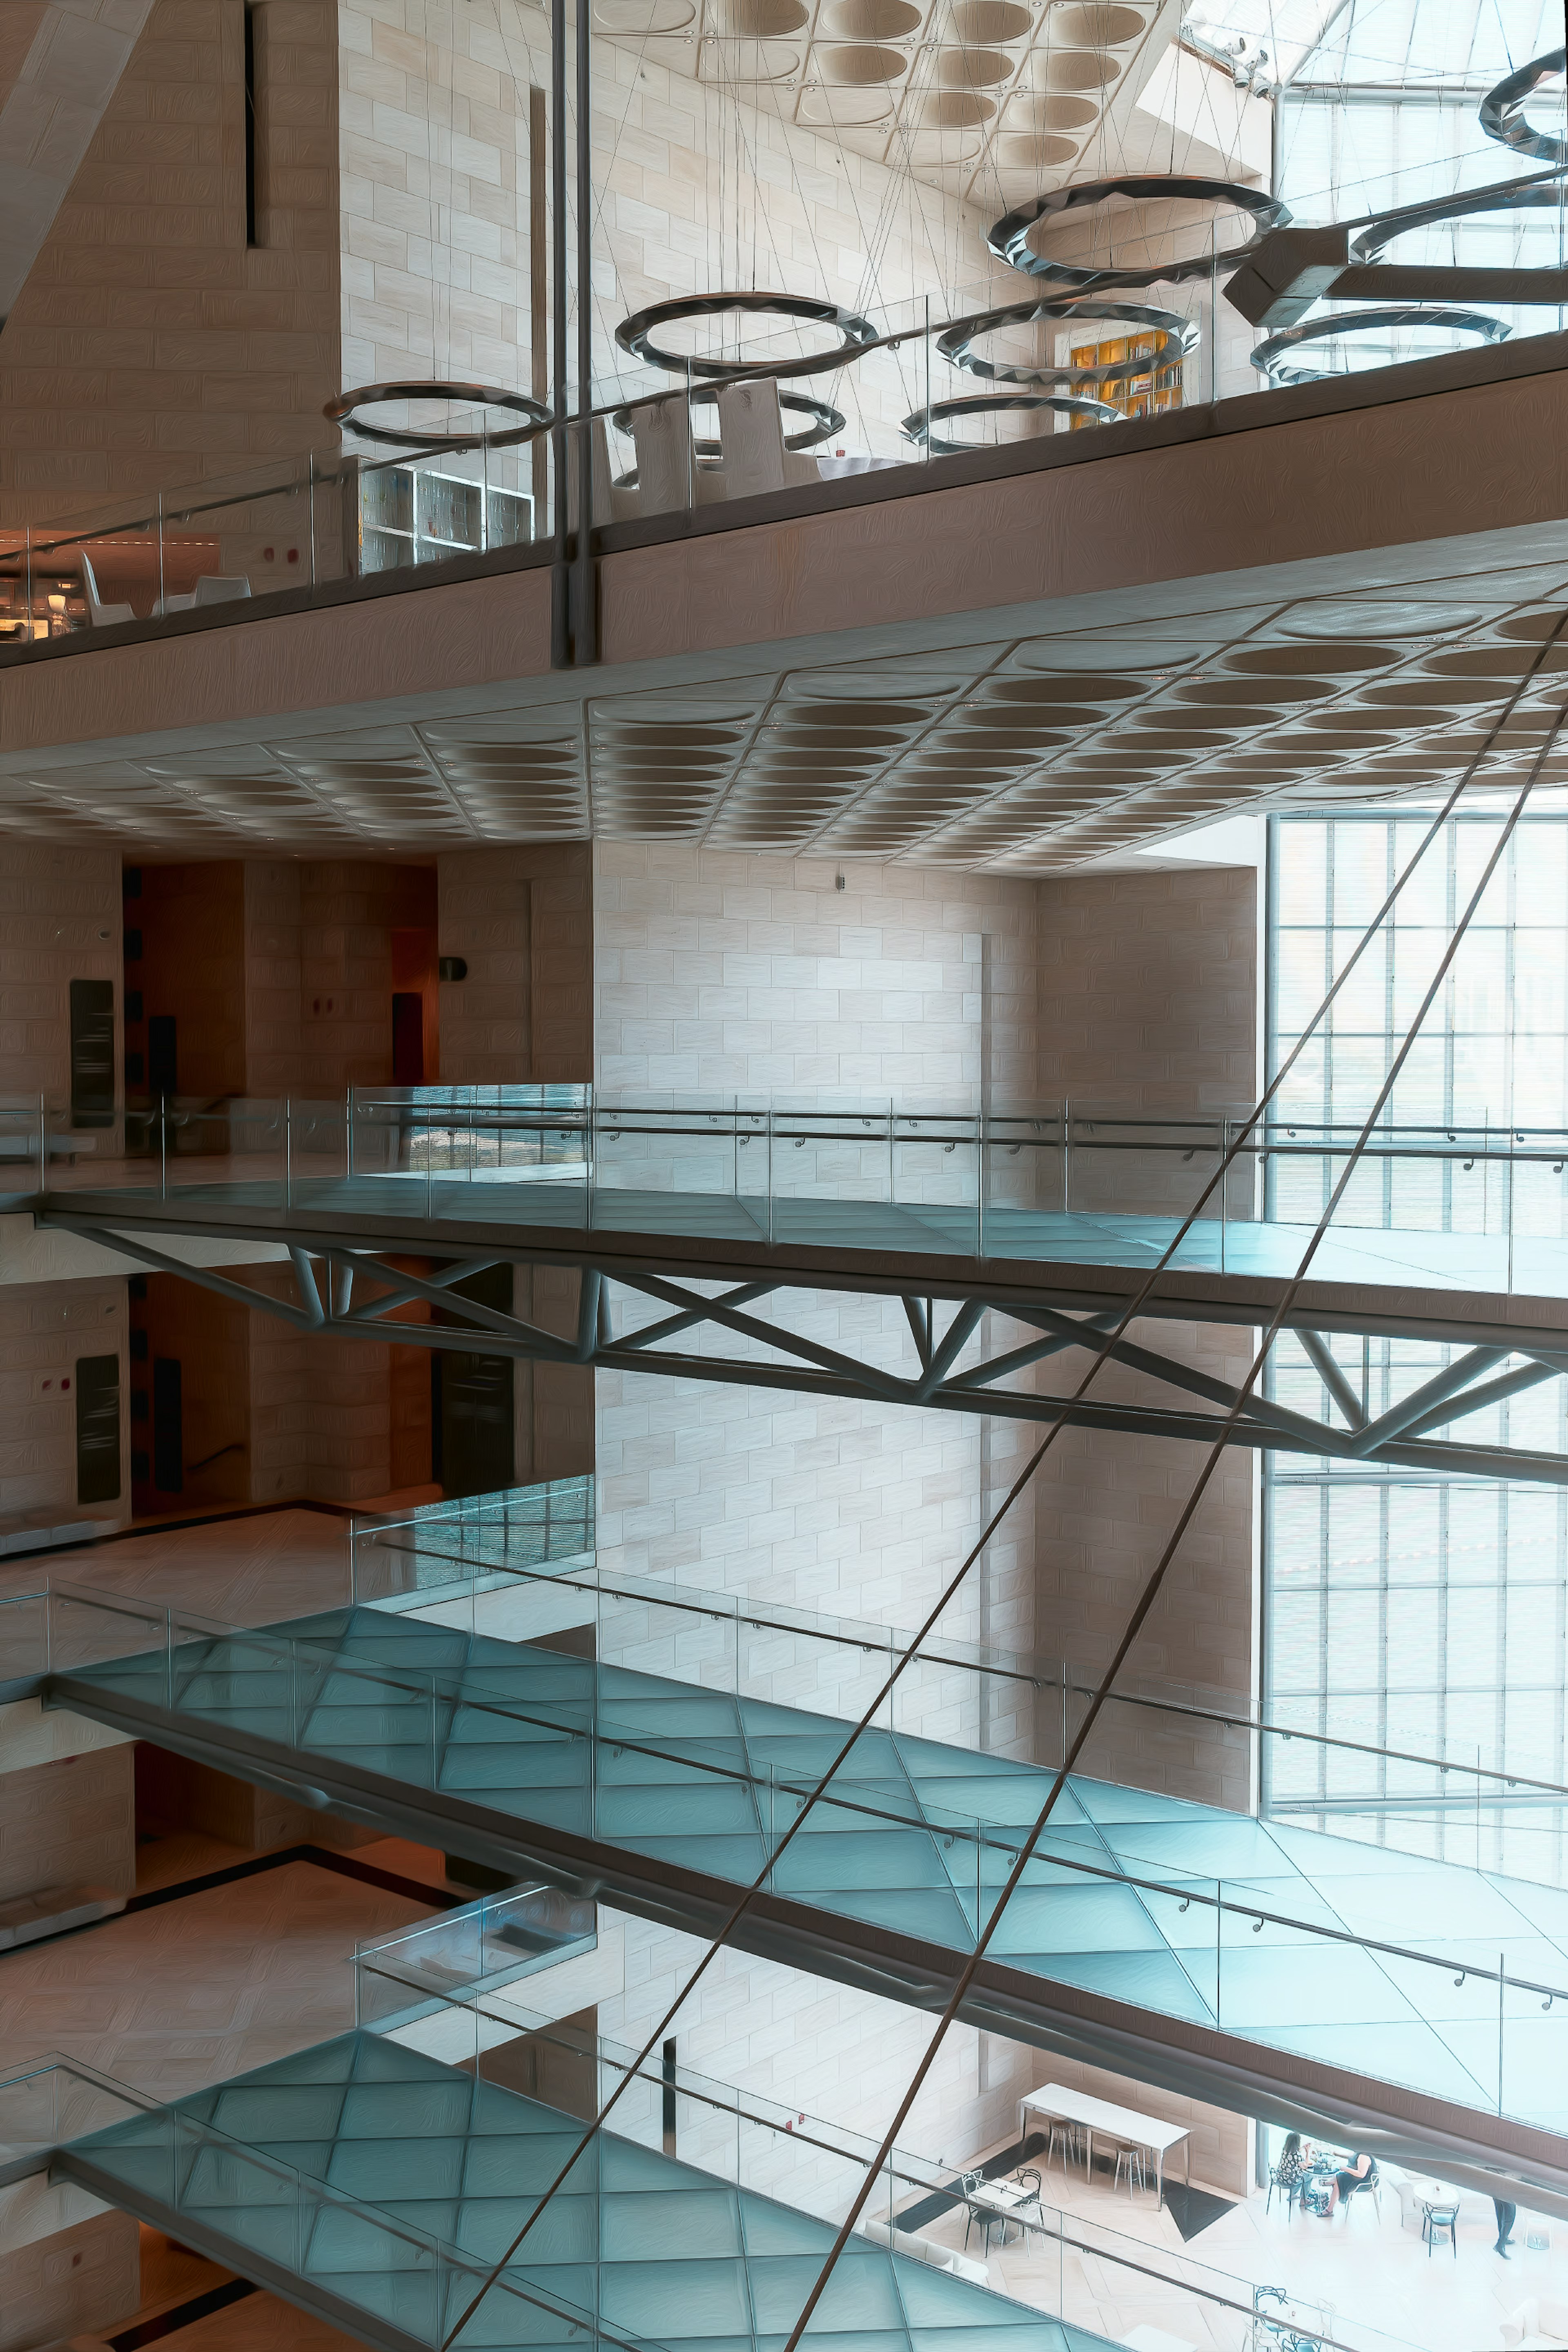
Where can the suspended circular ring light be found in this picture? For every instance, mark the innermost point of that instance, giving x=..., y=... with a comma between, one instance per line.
x=1178, y=336
x=916, y=428
x=1501, y=111
x=465, y=395
x=1009, y=238
x=634, y=334
x=823, y=419
x=1272, y=357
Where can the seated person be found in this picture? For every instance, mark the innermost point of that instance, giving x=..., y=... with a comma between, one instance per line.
x=1360, y=2173
x=1295, y=2165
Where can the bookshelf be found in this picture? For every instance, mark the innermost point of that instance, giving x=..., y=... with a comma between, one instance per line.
x=1148, y=392
x=412, y=514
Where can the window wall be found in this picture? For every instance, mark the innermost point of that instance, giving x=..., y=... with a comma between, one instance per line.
x=1427, y=1616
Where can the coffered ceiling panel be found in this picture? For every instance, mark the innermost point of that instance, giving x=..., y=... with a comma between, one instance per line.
x=1028, y=755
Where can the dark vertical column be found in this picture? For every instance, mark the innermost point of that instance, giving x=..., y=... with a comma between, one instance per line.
x=560, y=583
x=538, y=287
x=585, y=585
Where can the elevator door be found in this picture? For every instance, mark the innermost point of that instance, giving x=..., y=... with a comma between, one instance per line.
x=407, y=1038
x=472, y=1444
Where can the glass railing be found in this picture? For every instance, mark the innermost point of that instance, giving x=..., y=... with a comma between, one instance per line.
x=930, y=2206
x=46, y=2101
x=1479, y=1206
x=469, y=1551
x=473, y=1954
x=993, y=366
x=332, y=2251
x=1450, y=1983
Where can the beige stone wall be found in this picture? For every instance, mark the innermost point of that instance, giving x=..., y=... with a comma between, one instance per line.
x=150, y=348
x=1148, y=1002
x=698, y=189
x=60, y=2282
x=191, y=920
x=69, y=1822
x=59, y=922
x=348, y=911
x=44, y=1329
x=320, y=1409
x=521, y=917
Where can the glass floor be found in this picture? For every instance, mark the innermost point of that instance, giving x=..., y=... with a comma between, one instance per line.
x=1258, y=1928
x=375, y=2183
x=1498, y=1263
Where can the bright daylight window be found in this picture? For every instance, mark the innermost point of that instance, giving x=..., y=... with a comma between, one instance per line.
x=1413, y=1612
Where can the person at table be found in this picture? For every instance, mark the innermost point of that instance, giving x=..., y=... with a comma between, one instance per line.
x=1295, y=2165
x=1360, y=2173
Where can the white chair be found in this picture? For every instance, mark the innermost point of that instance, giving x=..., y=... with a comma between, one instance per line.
x=212, y=588
x=751, y=433
x=610, y=503
x=1540, y=2321
x=669, y=475
x=102, y=615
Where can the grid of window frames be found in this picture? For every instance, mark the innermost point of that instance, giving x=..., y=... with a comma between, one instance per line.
x=1412, y=1613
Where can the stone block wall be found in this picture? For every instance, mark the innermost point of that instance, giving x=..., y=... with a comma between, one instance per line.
x=521, y=917
x=44, y=1327
x=59, y=922
x=150, y=347
x=68, y=2264
x=70, y=1822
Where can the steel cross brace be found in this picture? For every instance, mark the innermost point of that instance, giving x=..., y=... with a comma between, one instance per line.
x=360, y=1293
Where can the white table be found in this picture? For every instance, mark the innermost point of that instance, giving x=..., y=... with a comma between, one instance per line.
x=834, y=469
x=1003, y=2197
x=1116, y=2123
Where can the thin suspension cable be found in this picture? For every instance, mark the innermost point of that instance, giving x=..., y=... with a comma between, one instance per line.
x=1101, y=1358
x=1157, y=1575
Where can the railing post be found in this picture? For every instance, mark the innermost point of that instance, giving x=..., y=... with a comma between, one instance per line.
x=349, y=1133
x=1066, y=1157
x=288, y=1153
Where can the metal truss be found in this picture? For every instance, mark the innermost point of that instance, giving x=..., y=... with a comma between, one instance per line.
x=351, y=1293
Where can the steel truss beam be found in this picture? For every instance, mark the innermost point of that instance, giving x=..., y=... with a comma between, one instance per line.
x=351, y=1293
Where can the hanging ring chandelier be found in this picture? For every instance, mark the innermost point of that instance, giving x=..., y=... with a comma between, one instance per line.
x=1177, y=337
x=1009, y=238
x=342, y=410
x=635, y=334
x=916, y=428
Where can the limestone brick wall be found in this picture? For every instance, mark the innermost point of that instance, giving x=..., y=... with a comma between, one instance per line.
x=522, y=917
x=69, y=1822
x=720, y=974
x=320, y=1409
x=348, y=912
x=68, y=2264
x=699, y=189
x=272, y=989
x=1147, y=1001
x=150, y=347
x=816, y=2047
x=59, y=922
x=192, y=927
x=44, y=1329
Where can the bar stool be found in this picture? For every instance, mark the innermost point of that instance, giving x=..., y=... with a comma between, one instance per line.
x=1071, y=2135
x=1128, y=2159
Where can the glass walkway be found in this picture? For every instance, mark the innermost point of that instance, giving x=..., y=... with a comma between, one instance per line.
x=1140, y=1919
x=1483, y=1210
x=377, y=2187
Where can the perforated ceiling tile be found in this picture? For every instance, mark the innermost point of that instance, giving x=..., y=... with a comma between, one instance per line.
x=973, y=96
